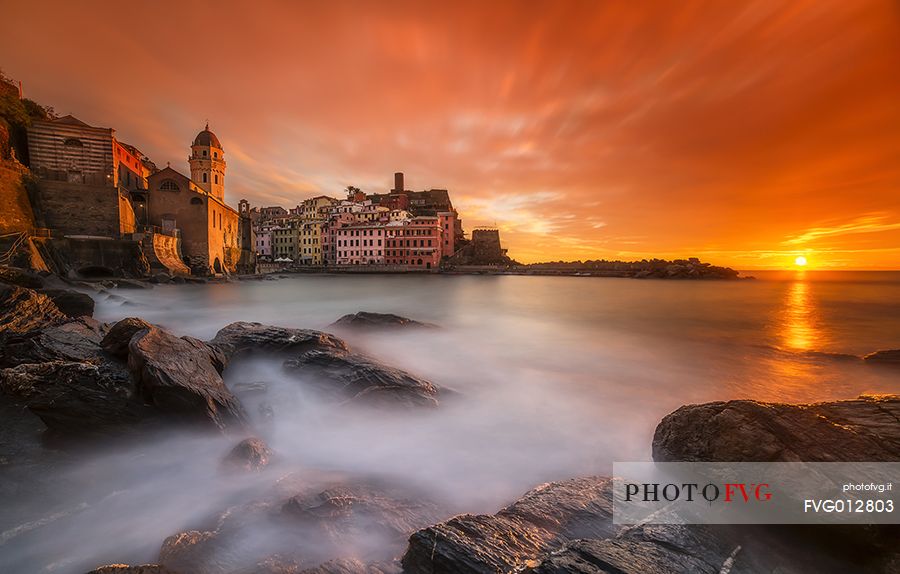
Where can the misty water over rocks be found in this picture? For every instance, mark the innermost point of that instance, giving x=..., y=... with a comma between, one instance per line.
x=556, y=377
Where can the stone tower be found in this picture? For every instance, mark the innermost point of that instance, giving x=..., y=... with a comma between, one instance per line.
x=207, y=161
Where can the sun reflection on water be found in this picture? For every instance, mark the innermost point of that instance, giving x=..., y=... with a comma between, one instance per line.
x=798, y=329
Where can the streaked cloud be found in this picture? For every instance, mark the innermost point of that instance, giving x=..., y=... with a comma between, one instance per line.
x=716, y=129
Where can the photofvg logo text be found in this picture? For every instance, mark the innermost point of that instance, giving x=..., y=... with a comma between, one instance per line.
x=691, y=491
x=755, y=493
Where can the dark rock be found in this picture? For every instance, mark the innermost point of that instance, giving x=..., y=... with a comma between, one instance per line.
x=116, y=340
x=344, y=528
x=344, y=375
x=244, y=338
x=160, y=278
x=132, y=284
x=890, y=357
x=540, y=521
x=72, y=303
x=76, y=340
x=178, y=280
x=76, y=397
x=21, y=278
x=374, y=321
x=125, y=569
x=23, y=310
x=865, y=429
x=182, y=377
x=251, y=454
x=649, y=550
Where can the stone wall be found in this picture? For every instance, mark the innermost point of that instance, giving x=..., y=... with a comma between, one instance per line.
x=79, y=209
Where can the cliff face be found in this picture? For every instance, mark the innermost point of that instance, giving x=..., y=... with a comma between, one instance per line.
x=15, y=208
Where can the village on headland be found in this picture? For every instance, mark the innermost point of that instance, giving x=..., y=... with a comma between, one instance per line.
x=80, y=203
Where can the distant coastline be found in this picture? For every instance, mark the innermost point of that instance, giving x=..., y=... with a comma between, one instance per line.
x=684, y=269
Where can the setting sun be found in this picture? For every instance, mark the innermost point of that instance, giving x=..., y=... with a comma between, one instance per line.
x=800, y=261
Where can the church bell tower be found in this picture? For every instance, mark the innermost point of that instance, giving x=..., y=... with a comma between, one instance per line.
x=207, y=162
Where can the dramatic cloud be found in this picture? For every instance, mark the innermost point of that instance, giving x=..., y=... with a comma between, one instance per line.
x=739, y=132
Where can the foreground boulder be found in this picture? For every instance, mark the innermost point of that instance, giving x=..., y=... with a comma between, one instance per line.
x=243, y=338
x=346, y=527
x=250, y=455
x=76, y=397
x=59, y=340
x=364, y=321
x=181, y=377
x=863, y=429
x=73, y=304
x=117, y=339
x=542, y=520
x=349, y=376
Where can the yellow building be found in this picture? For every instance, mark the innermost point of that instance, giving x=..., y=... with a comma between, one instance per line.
x=309, y=237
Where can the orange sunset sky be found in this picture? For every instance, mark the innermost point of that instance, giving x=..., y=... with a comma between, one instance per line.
x=745, y=133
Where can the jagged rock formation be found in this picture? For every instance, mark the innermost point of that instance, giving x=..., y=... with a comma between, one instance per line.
x=243, y=338
x=345, y=375
x=251, y=454
x=540, y=521
x=862, y=429
x=181, y=376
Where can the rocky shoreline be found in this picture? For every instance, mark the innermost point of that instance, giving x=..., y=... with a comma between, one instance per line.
x=90, y=381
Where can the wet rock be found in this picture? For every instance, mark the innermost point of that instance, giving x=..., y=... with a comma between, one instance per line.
x=160, y=278
x=251, y=454
x=889, y=357
x=23, y=310
x=182, y=377
x=862, y=429
x=72, y=303
x=125, y=569
x=243, y=338
x=76, y=340
x=344, y=375
x=374, y=321
x=648, y=550
x=116, y=340
x=21, y=278
x=76, y=397
x=540, y=521
x=347, y=527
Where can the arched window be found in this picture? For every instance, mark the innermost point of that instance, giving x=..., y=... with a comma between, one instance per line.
x=205, y=152
x=216, y=178
x=196, y=201
x=73, y=142
x=169, y=185
x=215, y=155
x=204, y=178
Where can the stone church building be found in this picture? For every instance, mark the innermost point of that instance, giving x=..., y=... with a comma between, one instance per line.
x=194, y=207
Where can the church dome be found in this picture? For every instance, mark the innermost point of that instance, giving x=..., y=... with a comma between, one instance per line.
x=207, y=138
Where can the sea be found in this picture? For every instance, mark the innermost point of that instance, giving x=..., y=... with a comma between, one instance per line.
x=555, y=377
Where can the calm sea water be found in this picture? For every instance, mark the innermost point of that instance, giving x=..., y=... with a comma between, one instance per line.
x=559, y=376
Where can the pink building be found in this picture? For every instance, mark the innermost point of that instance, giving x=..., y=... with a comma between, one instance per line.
x=360, y=244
